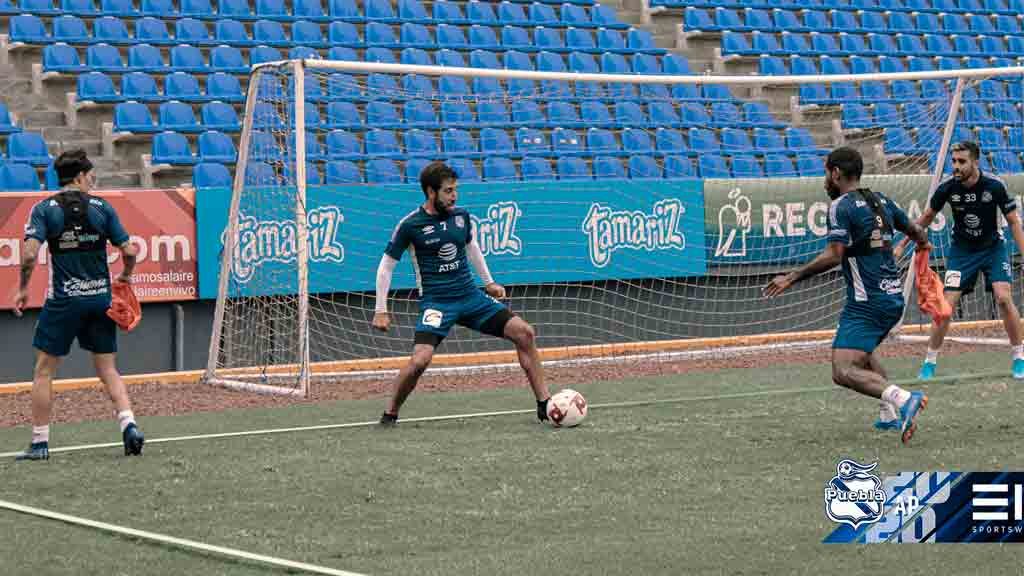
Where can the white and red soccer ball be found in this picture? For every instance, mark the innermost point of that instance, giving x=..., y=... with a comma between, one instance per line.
x=567, y=409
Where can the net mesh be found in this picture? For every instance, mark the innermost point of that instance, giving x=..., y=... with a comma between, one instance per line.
x=623, y=218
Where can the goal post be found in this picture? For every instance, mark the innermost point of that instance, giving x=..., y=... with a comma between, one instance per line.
x=628, y=214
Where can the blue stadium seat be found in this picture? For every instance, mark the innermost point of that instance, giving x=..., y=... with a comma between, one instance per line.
x=756, y=114
x=528, y=113
x=19, y=178
x=574, y=16
x=772, y=66
x=456, y=114
x=991, y=139
x=449, y=12
x=679, y=167
x=746, y=166
x=459, y=143
x=272, y=10
x=383, y=115
x=152, y=31
x=412, y=11
x=768, y=140
x=703, y=140
x=543, y=15
x=417, y=113
x=1006, y=162
x=177, y=117
x=530, y=141
x=343, y=145
x=236, y=9
x=225, y=87
x=635, y=141
x=70, y=29
x=344, y=34
x=452, y=37
x=413, y=168
x=259, y=173
x=492, y=113
x=512, y=38
x=499, y=169
x=608, y=167
x=379, y=10
x=602, y=141
x=182, y=86
x=856, y=115
x=38, y=7
x=534, y=169
x=566, y=141
x=207, y=175
x=380, y=54
x=481, y=13
x=713, y=166
x=312, y=173
x=232, y=33
x=572, y=168
x=112, y=30
x=146, y=58
x=465, y=168
x=264, y=146
x=512, y=14
x=216, y=147
x=308, y=33
x=311, y=10
x=548, y=39
x=663, y=114
x=196, y=8
x=265, y=117
x=778, y=166
x=898, y=141
x=643, y=167
x=342, y=53
x=565, y=114
x=695, y=115
x=382, y=143
x=735, y=140
x=220, y=116
x=88, y=7
x=345, y=10
x=192, y=31
x=172, y=148
x=725, y=114
x=605, y=17
x=96, y=87
x=416, y=35
x=496, y=142
x=346, y=116
x=809, y=165
x=133, y=117
x=140, y=86
x=420, y=143
x=669, y=142
x=629, y=113
x=61, y=57
x=188, y=58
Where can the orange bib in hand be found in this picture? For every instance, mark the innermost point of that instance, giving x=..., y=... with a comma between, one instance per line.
x=929, y=289
x=124, y=306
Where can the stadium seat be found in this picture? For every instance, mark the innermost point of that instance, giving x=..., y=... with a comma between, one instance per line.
x=153, y=31
x=642, y=167
x=259, y=173
x=412, y=11
x=1006, y=162
x=456, y=115
x=636, y=141
x=382, y=143
x=499, y=169
x=264, y=146
x=236, y=9
x=778, y=166
x=88, y=7
x=527, y=113
x=70, y=29
x=572, y=168
x=418, y=143
x=566, y=115
x=530, y=141
x=379, y=10
x=534, y=168
x=112, y=30
x=19, y=178
x=196, y=8
x=713, y=166
x=608, y=167
x=207, y=175
x=602, y=141
x=342, y=172
x=232, y=33
x=133, y=117
x=225, y=87
x=220, y=116
x=768, y=140
x=172, y=148
x=382, y=171
x=96, y=87
x=492, y=113
x=496, y=142
x=193, y=32
x=417, y=113
x=218, y=147
x=746, y=166
x=61, y=57
x=177, y=117
x=272, y=10
x=459, y=143
x=566, y=141
x=413, y=168
x=809, y=165
x=679, y=167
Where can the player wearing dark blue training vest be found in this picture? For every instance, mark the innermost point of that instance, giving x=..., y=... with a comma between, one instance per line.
x=76, y=227
x=977, y=246
x=439, y=238
x=860, y=232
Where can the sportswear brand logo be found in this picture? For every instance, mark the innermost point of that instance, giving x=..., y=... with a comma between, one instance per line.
x=608, y=230
x=853, y=496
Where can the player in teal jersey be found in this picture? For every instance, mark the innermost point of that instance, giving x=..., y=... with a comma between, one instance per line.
x=76, y=228
x=439, y=238
x=977, y=247
x=860, y=231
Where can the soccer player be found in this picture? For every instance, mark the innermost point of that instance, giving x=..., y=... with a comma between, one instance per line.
x=439, y=236
x=76, y=228
x=977, y=246
x=860, y=230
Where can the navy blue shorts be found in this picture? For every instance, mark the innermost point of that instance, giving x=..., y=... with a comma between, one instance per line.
x=863, y=327
x=63, y=320
x=963, y=266
x=438, y=316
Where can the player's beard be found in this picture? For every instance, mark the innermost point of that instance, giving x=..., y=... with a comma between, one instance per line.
x=832, y=189
x=442, y=210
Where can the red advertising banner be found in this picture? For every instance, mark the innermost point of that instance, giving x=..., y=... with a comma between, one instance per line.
x=161, y=223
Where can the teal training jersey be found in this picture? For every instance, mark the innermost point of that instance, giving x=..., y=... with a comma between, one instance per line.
x=437, y=247
x=868, y=265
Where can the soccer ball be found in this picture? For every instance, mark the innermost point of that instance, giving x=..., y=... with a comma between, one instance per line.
x=567, y=409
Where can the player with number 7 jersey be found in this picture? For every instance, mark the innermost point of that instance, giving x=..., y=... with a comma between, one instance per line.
x=439, y=238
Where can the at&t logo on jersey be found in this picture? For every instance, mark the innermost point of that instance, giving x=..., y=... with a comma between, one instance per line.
x=608, y=230
x=854, y=496
x=496, y=234
x=262, y=241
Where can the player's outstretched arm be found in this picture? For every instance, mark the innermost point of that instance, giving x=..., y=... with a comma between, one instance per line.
x=476, y=259
x=829, y=258
x=922, y=224
x=381, y=318
x=29, y=254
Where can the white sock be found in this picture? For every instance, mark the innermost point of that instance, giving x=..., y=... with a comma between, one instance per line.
x=1018, y=351
x=895, y=395
x=40, y=434
x=886, y=412
x=931, y=356
x=124, y=418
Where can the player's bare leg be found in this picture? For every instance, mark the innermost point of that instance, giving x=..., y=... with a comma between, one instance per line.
x=407, y=379
x=1011, y=321
x=936, y=336
x=853, y=369
x=106, y=371
x=42, y=406
x=525, y=339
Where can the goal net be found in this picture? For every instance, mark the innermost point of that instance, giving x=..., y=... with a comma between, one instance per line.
x=629, y=216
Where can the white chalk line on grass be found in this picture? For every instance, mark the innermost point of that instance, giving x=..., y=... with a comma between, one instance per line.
x=476, y=415
x=173, y=541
